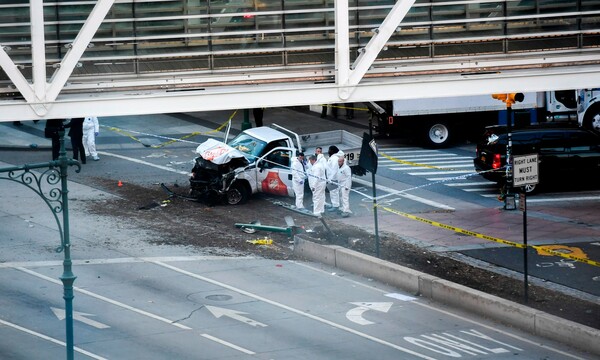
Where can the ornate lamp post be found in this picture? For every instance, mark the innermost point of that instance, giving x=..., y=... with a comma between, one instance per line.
x=46, y=185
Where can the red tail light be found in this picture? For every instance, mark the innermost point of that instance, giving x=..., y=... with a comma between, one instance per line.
x=496, y=164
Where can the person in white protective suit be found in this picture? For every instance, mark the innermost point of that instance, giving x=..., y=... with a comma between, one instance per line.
x=331, y=171
x=298, y=178
x=317, y=183
x=91, y=129
x=320, y=158
x=344, y=178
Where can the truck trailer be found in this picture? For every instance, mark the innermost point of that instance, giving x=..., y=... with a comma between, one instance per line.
x=437, y=122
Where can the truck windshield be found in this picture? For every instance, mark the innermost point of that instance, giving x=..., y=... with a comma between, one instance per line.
x=250, y=146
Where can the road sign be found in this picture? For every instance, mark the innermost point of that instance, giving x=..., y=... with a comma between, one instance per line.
x=525, y=170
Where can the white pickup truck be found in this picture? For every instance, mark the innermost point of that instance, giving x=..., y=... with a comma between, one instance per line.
x=259, y=160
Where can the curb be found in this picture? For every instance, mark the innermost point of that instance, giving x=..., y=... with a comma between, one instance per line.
x=448, y=293
x=25, y=148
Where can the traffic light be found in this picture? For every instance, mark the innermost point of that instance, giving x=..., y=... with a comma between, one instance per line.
x=509, y=99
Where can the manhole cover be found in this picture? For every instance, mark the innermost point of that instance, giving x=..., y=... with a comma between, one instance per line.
x=218, y=297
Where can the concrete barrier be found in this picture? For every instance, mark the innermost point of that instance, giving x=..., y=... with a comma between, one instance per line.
x=452, y=294
x=483, y=304
x=368, y=266
x=315, y=252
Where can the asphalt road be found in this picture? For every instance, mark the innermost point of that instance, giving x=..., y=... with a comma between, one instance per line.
x=136, y=301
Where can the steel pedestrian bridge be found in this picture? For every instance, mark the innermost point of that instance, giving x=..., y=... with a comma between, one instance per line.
x=70, y=58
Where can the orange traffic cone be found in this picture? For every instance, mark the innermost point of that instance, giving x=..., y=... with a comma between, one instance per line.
x=120, y=183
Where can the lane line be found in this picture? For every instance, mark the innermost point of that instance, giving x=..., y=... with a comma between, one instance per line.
x=445, y=312
x=394, y=192
x=294, y=310
x=125, y=306
x=480, y=189
x=51, y=339
x=440, y=166
x=105, y=299
x=124, y=260
x=576, y=198
x=449, y=161
x=143, y=162
x=435, y=157
x=426, y=173
x=228, y=344
x=473, y=183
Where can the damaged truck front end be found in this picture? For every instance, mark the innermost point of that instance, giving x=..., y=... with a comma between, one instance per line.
x=214, y=175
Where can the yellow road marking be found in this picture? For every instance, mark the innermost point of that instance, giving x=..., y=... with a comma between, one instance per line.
x=545, y=248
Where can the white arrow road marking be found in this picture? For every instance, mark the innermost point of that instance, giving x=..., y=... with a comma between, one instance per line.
x=355, y=315
x=236, y=315
x=401, y=297
x=51, y=339
x=79, y=316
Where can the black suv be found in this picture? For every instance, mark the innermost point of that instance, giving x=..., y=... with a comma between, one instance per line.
x=564, y=153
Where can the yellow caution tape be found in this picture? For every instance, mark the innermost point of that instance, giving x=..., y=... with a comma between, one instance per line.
x=198, y=133
x=548, y=249
x=128, y=133
x=122, y=132
x=345, y=107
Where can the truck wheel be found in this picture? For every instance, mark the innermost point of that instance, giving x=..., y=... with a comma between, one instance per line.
x=437, y=134
x=592, y=119
x=237, y=194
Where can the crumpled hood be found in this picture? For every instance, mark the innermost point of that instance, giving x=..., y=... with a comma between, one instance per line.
x=218, y=152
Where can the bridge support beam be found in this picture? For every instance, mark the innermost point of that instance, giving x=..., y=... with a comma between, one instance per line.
x=348, y=78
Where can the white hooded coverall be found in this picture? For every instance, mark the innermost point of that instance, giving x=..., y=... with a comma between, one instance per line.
x=345, y=181
x=298, y=177
x=90, y=129
x=317, y=182
x=332, y=170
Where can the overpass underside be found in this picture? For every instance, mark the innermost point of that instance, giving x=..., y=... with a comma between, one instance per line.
x=120, y=57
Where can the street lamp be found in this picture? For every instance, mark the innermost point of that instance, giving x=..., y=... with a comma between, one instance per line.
x=57, y=200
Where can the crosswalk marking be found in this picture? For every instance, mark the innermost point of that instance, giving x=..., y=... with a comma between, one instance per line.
x=472, y=183
x=425, y=173
x=433, y=157
x=434, y=163
x=450, y=167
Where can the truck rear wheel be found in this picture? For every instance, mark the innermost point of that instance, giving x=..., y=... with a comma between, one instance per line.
x=237, y=194
x=592, y=119
x=437, y=134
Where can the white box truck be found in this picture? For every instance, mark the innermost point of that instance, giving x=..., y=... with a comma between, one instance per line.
x=436, y=122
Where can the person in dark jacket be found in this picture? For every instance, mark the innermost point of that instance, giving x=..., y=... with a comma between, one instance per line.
x=258, y=116
x=53, y=126
x=76, y=134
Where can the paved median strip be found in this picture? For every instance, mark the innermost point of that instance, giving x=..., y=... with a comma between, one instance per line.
x=490, y=238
